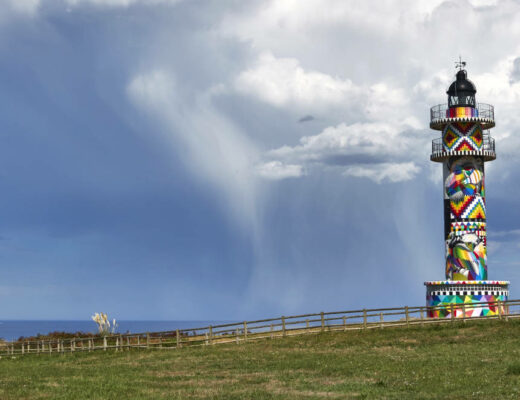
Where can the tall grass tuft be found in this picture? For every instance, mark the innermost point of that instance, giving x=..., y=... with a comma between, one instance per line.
x=104, y=327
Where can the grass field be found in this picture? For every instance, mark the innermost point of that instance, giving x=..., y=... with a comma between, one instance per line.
x=478, y=360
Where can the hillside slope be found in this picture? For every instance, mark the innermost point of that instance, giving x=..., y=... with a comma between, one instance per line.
x=462, y=361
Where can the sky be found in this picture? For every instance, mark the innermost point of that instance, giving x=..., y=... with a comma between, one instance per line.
x=230, y=160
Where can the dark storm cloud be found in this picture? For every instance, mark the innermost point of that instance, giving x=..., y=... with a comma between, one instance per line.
x=306, y=118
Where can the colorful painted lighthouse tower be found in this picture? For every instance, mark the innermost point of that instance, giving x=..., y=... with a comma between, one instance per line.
x=463, y=149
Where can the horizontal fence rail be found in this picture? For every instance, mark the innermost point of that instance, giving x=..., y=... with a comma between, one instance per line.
x=261, y=329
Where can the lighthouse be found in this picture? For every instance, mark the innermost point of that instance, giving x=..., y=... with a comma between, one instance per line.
x=463, y=149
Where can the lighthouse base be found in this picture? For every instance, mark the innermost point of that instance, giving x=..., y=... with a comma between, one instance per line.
x=466, y=298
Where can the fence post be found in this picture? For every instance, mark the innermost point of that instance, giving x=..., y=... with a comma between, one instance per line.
x=407, y=316
x=307, y=323
x=245, y=330
x=177, y=334
x=464, y=312
x=364, y=318
x=210, y=334
x=73, y=345
x=23, y=348
x=344, y=323
x=271, y=328
x=104, y=343
x=322, y=321
x=28, y=347
x=283, y=326
x=422, y=316
x=382, y=320
x=50, y=346
x=452, y=312
x=499, y=303
x=128, y=343
x=148, y=339
x=138, y=342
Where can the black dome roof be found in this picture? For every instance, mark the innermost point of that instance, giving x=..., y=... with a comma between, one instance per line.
x=462, y=85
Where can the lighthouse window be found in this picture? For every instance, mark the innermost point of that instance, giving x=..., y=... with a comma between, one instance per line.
x=465, y=293
x=485, y=293
x=470, y=100
x=472, y=293
x=454, y=100
x=444, y=293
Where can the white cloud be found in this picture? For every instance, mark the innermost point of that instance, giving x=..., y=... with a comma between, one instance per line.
x=276, y=170
x=276, y=20
x=376, y=150
x=483, y=3
x=282, y=82
x=415, y=67
x=390, y=172
x=28, y=7
x=120, y=3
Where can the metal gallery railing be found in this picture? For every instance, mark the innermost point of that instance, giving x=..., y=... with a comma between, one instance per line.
x=267, y=328
x=440, y=112
x=488, y=144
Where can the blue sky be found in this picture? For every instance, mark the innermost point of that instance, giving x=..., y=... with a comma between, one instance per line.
x=233, y=160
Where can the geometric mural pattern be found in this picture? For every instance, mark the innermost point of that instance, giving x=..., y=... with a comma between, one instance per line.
x=463, y=228
x=462, y=136
x=474, y=311
x=475, y=209
x=466, y=258
x=466, y=253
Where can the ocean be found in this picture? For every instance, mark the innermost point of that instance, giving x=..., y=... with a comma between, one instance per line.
x=12, y=330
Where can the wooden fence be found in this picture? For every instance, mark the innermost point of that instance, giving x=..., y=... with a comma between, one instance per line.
x=266, y=328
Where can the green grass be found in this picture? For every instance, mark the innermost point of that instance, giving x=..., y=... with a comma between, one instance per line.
x=479, y=360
